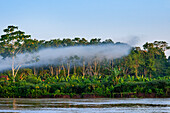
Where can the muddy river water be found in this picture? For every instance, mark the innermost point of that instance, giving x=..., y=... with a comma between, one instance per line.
x=98, y=105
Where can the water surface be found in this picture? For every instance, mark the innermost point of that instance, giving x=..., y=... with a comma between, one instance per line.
x=100, y=105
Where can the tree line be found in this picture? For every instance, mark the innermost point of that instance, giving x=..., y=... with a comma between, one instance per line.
x=141, y=65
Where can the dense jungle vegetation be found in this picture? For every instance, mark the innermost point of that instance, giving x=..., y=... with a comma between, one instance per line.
x=143, y=73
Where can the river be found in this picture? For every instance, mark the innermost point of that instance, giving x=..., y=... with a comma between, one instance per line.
x=99, y=105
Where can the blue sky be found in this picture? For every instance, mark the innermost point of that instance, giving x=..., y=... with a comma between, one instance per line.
x=120, y=20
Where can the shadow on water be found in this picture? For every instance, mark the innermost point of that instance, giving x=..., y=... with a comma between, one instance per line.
x=16, y=105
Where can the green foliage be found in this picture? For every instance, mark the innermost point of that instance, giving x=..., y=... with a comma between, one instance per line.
x=33, y=87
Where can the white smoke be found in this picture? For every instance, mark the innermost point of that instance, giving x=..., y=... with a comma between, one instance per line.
x=57, y=55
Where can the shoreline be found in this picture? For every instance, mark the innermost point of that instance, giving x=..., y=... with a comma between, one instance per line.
x=93, y=96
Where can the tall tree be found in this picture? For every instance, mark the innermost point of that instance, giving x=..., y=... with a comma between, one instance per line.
x=12, y=43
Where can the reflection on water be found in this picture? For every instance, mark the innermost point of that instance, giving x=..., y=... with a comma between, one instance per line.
x=84, y=105
x=14, y=104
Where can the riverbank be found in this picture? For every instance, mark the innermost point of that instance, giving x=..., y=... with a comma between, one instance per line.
x=91, y=87
x=116, y=95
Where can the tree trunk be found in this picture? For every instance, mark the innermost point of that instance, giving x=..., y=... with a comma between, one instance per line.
x=91, y=71
x=74, y=69
x=34, y=71
x=83, y=68
x=51, y=70
x=64, y=70
x=59, y=70
x=95, y=67
x=13, y=70
x=68, y=69
x=98, y=71
x=56, y=71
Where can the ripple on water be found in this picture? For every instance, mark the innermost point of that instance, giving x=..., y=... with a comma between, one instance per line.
x=103, y=105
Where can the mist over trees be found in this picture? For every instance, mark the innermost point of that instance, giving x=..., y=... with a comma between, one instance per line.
x=140, y=65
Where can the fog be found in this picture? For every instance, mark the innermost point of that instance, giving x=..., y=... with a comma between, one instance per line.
x=56, y=56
